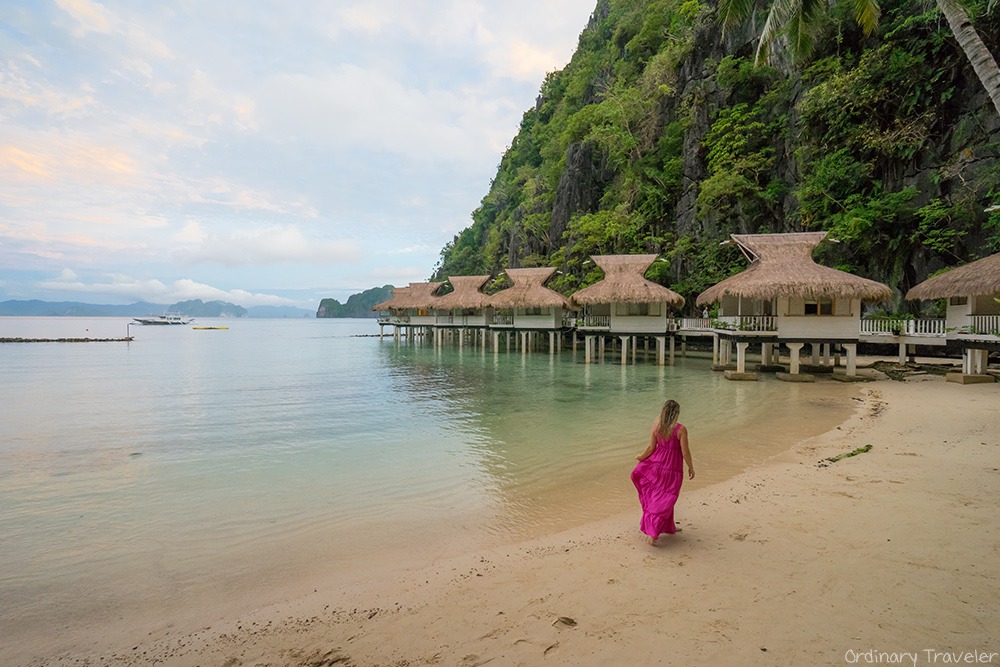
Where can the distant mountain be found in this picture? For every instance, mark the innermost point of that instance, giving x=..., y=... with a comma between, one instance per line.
x=199, y=308
x=36, y=308
x=278, y=311
x=358, y=305
x=193, y=308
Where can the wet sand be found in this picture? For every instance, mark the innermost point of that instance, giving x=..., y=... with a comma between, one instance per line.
x=796, y=560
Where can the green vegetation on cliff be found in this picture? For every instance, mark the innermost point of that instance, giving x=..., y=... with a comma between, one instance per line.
x=661, y=136
x=357, y=305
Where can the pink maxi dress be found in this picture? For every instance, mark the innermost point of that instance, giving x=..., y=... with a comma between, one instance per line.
x=658, y=480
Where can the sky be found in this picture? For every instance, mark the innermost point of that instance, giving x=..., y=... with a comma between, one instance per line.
x=255, y=151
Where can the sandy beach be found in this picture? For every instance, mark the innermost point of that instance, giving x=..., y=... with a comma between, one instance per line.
x=889, y=556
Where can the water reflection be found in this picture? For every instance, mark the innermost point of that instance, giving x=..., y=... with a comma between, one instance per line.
x=539, y=426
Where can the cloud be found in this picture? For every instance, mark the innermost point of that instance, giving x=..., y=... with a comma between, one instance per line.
x=520, y=60
x=423, y=247
x=263, y=246
x=367, y=18
x=355, y=108
x=156, y=291
x=189, y=289
x=221, y=192
x=92, y=17
x=397, y=275
x=268, y=142
x=117, y=285
x=89, y=16
x=17, y=163
x=27, y=91
x=61, y=160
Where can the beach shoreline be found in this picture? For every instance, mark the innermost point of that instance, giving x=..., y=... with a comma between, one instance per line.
x=793, y=561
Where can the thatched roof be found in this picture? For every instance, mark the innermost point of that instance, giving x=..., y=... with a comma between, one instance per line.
x=782, y=265
x=979, y=277
x=415, y=295
x=398, y=294
x=467, y=293
x=624, y=283
x=529, y=291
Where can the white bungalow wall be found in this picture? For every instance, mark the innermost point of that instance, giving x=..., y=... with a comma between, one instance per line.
x=421, y=317
x=960, y=309
x=476, y=318
x=731, y=306
x=624, y=319
x=549, y=319
x=845, y=322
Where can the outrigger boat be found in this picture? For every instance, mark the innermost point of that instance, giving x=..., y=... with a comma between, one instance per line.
x=169, y=318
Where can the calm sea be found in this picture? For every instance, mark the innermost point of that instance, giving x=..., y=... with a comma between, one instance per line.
x=140, y=479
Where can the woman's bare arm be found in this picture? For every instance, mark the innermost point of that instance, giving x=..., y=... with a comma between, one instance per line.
x=682, y=435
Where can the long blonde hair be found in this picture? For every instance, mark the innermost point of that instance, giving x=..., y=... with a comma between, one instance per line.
x=668, y=418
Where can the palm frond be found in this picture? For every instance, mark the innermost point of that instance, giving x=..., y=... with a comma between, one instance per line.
x=867, y=13
x=800, y=38
x=777, y=19
x=733, y=12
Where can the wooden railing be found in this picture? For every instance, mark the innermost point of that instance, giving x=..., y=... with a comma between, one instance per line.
x=594, y=321
x=502, y=320
x=696, y=323
x=749, y=323
x=898, y=326
x=988, y=325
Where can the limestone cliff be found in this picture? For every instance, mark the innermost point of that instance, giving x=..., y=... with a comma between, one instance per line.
x=662, y=136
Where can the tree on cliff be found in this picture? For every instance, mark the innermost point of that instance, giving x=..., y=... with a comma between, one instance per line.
x=660, y=137
x=797, y=20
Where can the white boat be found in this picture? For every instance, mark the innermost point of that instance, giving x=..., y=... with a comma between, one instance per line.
x=169, y=318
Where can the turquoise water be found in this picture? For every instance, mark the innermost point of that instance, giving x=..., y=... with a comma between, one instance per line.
x=143, y=478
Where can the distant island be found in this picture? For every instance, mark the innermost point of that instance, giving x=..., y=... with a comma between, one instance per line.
x=192, y=308
x=357, y=305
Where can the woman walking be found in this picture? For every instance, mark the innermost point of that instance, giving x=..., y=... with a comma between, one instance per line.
x=660, y=472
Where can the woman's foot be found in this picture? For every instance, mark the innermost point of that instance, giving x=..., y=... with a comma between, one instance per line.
x=651, y=540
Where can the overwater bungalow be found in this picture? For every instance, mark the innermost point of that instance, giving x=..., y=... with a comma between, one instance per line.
x=625, y=304
x=785, y=297
x=410, y=308
x=391, y=311
x=972, y=317
x=465, y=308
x=529, y=307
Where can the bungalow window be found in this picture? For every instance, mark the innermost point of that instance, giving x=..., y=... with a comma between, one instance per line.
x=819, y=307
x=958, y=301
x=640, y=309
x=533, y=311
